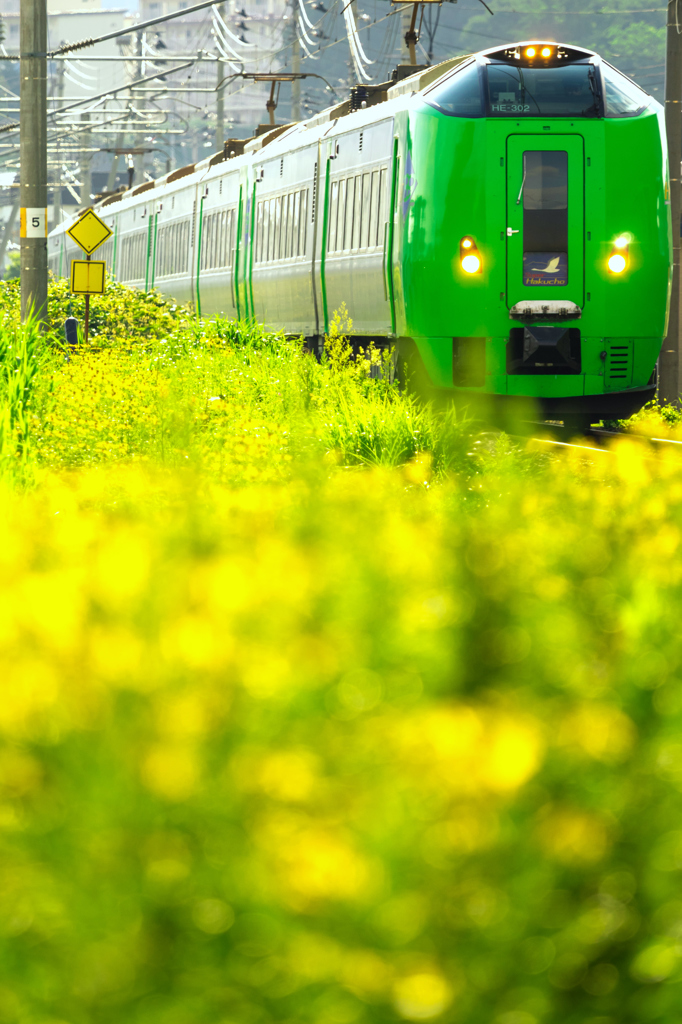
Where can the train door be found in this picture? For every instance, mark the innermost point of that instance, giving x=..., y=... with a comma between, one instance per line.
x=545, y=230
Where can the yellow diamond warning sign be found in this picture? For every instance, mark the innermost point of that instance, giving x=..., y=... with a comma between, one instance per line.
x=88, y=277
x=89, y=232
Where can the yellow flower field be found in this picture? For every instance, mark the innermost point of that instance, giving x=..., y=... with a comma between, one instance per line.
x=319, y=707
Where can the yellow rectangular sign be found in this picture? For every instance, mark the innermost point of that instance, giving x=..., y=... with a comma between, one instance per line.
x=88, y=277
x=89, y=232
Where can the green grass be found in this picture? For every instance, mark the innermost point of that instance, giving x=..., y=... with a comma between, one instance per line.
x=320, y=706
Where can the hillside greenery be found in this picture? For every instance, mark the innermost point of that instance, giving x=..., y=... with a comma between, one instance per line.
x=320, y=706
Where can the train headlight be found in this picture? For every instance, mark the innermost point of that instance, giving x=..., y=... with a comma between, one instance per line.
x=471, y=263
x=530, y=51
x=619, y=256
x=469, y=256
x=617, y=263
x=546, y=51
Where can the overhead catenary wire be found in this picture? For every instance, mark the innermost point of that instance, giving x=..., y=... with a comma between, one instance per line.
x=357, y=60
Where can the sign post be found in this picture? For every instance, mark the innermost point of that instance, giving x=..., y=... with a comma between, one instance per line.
x=88, y=276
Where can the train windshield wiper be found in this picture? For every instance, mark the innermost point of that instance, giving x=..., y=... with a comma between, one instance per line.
x=592, y=79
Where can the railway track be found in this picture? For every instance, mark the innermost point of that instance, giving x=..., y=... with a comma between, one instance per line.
x=565, y=437
x=568, y=439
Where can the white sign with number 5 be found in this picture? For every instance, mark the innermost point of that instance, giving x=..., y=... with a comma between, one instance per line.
x=33, y=222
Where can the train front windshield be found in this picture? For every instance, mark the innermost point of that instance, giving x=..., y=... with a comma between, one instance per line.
x=544, y=91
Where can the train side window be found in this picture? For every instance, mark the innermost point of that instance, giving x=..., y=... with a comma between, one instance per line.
x=372, y=218
x=381, y=204
x=296, y=224
x=460, y=94
x=350, y=205
x=274, y=227
x=266, y=230
x=286, y=232
x=271, y=230
x=205, y=237
x=333, y=210
x=283, y=227
x=293, y=239
x=364, y=242
x=357, y=213
x=341, y=216
x=303, y=238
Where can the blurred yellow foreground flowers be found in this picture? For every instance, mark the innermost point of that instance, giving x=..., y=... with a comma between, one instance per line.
x=317, y=708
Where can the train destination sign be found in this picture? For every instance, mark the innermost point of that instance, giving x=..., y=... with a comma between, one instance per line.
x=88, y=277
x=89, y=232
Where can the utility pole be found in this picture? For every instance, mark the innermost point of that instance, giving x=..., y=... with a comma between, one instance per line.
x=670, y=385
x=33, y=156
x=113, y=170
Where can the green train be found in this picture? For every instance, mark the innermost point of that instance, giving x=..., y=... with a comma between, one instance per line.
x=502, y=220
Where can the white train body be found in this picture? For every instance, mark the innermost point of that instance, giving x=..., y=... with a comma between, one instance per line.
x=242, y=236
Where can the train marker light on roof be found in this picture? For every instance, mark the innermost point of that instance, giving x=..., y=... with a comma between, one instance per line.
x=619, y=256
x=469, y=256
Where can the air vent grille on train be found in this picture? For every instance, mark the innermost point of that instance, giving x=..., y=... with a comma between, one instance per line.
x=618, y=368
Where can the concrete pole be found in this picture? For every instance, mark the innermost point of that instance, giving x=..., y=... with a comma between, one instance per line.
x=670, y=385
x=113, y=171
x=33, y=156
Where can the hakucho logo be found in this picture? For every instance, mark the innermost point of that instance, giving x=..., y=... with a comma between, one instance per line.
x=544, y=269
